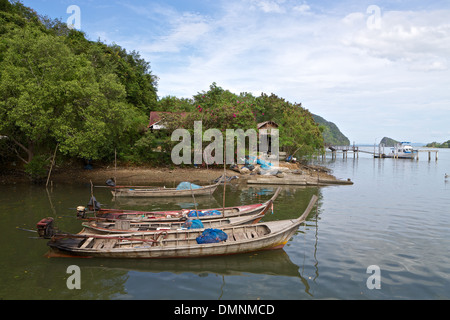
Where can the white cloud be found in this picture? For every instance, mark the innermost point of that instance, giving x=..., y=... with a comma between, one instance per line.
x=419, y=39
x=303, y=8
x=185, y=30
x=269, y=5
x=338, y=67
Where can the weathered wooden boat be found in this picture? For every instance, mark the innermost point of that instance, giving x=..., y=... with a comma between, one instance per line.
x=177, y=215
x=146, y=191
x=129, y=226
x=169, y=244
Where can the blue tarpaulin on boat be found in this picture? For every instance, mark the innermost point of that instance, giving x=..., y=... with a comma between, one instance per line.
x=187, y=186
x=212, y=236
x=193, y=224
x=194, y=213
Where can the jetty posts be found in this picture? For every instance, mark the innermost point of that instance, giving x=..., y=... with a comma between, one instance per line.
x=378, y=152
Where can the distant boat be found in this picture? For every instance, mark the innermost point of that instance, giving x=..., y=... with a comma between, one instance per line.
x=402, y=150
x=446, y=176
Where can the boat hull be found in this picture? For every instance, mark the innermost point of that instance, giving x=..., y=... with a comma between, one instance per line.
x=162, y=192
x=240, y=239
x=269, y=242
x=123, y=227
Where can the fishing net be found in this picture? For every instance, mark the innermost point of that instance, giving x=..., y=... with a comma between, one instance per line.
x=193, y=224
x=194, y=213
x=212, y=236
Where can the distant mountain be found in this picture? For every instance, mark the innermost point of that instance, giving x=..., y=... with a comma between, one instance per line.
x=332, y=135
x=389, y=142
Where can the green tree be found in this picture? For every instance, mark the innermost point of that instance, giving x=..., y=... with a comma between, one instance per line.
x=174, y=104
x=299, y=134
x=50, y=95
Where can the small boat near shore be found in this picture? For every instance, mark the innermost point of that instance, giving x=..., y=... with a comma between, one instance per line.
x=172, y=215
x=178, y=244
x=161, y=192
x=129, y=226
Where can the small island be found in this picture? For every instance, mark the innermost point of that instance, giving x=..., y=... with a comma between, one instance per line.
x=389, y=142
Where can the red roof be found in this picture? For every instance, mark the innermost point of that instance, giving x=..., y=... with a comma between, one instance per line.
x=157, y=116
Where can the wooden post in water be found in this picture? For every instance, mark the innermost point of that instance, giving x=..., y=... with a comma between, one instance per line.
x=224, y=176
x=51, y=167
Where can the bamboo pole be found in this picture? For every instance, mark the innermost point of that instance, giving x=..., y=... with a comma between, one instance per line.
x=51, y=166
x=224, y=178
x=115, y=170
x=193, y=197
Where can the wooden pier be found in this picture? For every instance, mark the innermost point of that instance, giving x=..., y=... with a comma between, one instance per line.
x=380, y=153
x=345, y=150
x=436, y=152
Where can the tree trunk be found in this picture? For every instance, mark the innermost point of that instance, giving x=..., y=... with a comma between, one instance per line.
x=28, y=150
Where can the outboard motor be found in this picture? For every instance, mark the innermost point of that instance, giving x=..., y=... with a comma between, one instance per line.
x=81, y=212
x=45, y=228
x=110, y=182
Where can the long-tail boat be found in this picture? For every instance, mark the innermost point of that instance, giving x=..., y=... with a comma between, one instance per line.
x=130, y=226
x=178, y=244
x=161, y=192
x=173, y=215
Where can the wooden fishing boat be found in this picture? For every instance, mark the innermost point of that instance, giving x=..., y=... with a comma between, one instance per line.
x=171, y=244
x=145, y=191
x=129, y=226
x=177, y=215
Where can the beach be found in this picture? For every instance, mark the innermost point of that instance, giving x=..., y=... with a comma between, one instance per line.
x=142, y=175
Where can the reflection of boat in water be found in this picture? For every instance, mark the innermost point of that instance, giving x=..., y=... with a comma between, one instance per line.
x=274, y=262
x=402, y=150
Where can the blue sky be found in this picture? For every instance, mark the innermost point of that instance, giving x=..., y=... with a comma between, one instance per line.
x=374, y=68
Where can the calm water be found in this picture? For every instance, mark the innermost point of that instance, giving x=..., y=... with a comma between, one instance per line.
x=396, y=216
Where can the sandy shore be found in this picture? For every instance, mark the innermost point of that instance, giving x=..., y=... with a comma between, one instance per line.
x=148, y=175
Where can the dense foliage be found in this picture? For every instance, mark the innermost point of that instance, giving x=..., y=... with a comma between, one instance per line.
x=218, y=108
x=57, y=88
x=90, y=100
